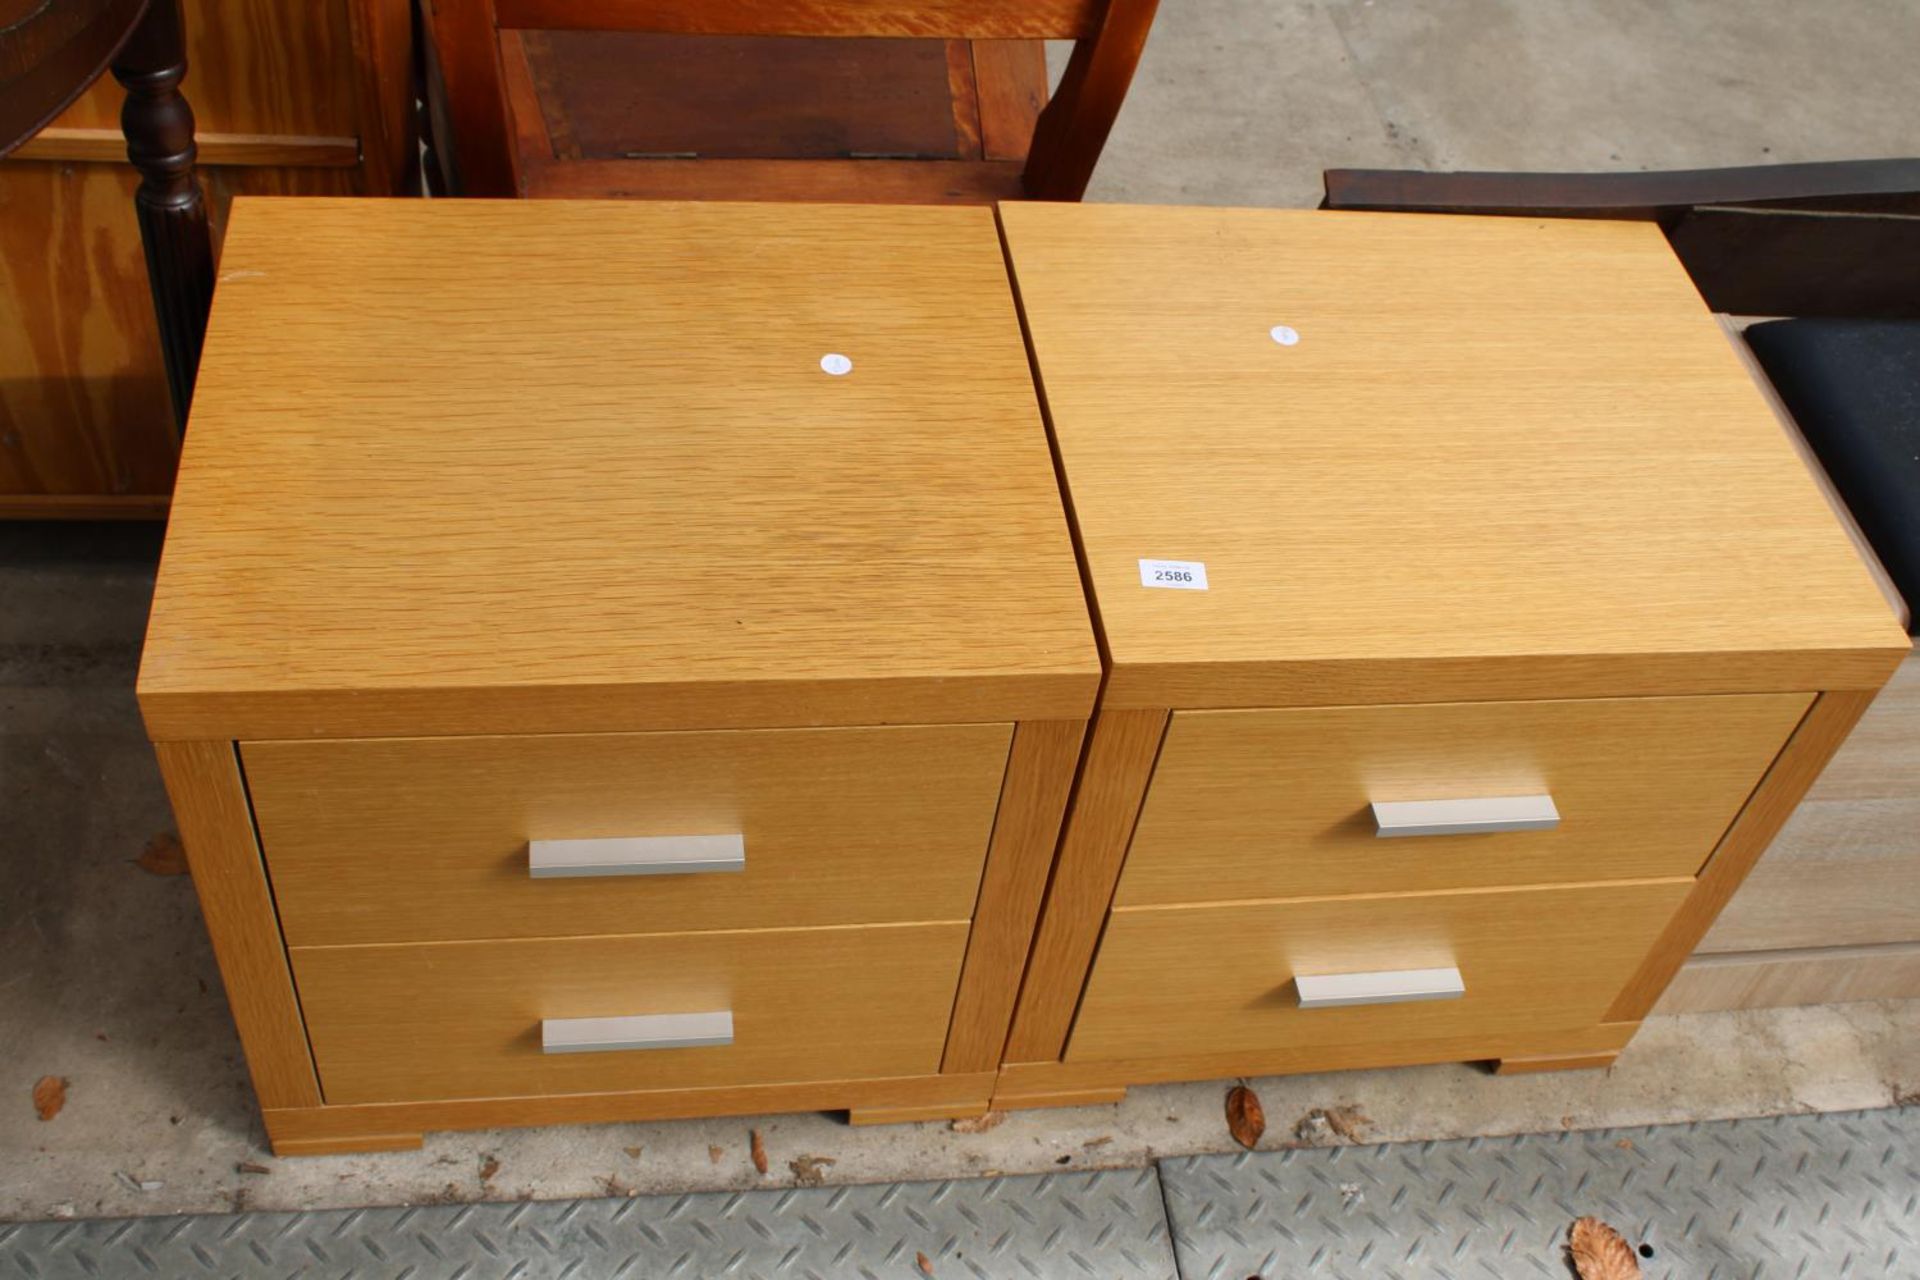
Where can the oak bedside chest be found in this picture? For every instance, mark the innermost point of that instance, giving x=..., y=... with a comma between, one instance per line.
x=1471, y=627
x=615, y=661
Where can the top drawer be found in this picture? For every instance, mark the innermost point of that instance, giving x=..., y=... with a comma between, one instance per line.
x=427, y=838
x=1276, y=804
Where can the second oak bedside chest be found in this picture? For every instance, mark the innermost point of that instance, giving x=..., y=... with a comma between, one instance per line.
x=1471, y=627
x=615, y=660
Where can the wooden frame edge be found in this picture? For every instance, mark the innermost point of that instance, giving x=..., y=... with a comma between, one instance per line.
x=109, y=146
x=352, y=1127
x=210, y=804
x=1037, y=1079
x=1118, y=765
x=1807, y=751
x=1026, y=830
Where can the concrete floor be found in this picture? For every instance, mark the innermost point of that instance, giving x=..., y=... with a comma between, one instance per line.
x=108, y=980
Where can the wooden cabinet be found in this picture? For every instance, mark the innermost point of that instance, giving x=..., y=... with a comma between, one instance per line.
x=622, y=614
x=1471, y=627
x=290, y=98
x=391, y=840
x=1224, y=978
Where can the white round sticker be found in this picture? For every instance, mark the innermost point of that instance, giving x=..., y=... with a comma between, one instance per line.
x=836, y=364
x=1285, y=335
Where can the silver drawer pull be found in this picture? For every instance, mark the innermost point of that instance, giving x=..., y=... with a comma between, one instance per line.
x=650, y=1031
x=1389, y=986
x=636, y=856
x=1464, y=817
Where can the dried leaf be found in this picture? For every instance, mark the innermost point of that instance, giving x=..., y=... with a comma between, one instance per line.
x=163, y=856
x=809, y=1171
x=979, y=1124
x=633, y=1153
x=1625, y=1144
x=49, y=1095
x=1246, y=1118
x=248, y=1166
x=759, y=1149
x=1600, y=1253
x=715, y=1153
x=488, y=1167
x=1092, y=1143
x=924, y=1262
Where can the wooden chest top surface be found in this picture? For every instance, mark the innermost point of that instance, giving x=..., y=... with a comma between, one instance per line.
x=1425, y=458
x=478, y=466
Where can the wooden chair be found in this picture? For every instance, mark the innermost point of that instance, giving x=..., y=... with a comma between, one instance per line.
x=50, y=52
x=933, y=100
x=1827, y=914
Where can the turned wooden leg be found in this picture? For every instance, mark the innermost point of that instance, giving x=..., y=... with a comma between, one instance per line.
x=1555, y=1062
x=158, y=125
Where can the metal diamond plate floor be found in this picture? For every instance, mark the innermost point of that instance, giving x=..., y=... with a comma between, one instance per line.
x=1081, y=1226
x=1795, y=1196
x=1827, y=1196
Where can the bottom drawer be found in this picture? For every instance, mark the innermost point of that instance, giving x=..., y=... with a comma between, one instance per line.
x=1182, y=981
x=464, y=1019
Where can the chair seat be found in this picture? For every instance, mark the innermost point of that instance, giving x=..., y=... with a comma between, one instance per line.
x=1853, y=386
x=661, y=116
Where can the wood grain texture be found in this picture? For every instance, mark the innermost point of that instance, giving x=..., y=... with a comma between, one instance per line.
x=963, y=98
x=83, y=401
x=1274, y=804
x=210, y=806
x=381, y=34
x=84, y=417
x=539, y=137
x=71, y=506
x=1106, y=799
x=1818, y=975
x=108, y=146
x=1030, y=1084
x=863, y=1116
x=415, y=840
x=891, y=182
x=462, y=1019
x=1170, y=980
x=299, y=1131
x=1507, y=458
x=1026, y=828
x=636, y=94
x=1072, y=132
x=945, y=19
x=1061, y=1098
x=1011, y=76
x=469, y=57
x=257, y=67
x=1844, y=869
x=708, y=526
x=1819, y=735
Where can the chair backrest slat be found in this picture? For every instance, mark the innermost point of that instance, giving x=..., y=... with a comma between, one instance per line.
x=929, y=19
x=1108, y=36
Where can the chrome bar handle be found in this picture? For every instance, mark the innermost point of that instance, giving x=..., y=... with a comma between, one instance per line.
x=1388, y=986
x=636, y=856
x=648, y=1031
x=1464, y=817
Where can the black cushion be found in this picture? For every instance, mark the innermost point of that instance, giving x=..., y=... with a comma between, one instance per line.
x=1854, y=388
